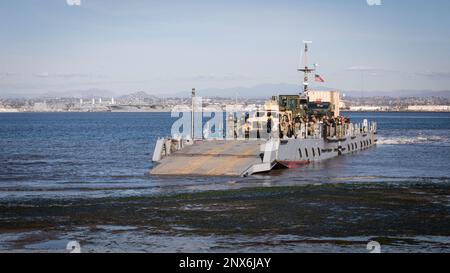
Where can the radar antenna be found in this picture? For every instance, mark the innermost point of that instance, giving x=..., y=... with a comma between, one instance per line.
x=305, y=69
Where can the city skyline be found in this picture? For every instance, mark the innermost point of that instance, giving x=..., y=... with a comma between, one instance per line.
x=66, y=46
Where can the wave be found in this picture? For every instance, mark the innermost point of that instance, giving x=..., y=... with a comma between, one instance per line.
x=408, y=140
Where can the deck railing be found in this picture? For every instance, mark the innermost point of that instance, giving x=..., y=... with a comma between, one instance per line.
x=320, y=130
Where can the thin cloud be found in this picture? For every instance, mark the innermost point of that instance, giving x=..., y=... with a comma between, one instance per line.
x=7, y=74
x=42, y=75
x=214, y=77
x=67, y=75
x=435, y=75
x=369, y=69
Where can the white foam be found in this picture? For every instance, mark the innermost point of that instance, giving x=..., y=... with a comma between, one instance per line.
x=411, y=140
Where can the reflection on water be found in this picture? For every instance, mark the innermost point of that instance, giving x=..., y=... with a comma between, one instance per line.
x=85, y=177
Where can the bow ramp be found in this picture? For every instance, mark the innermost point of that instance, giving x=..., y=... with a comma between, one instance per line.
x=213, y=157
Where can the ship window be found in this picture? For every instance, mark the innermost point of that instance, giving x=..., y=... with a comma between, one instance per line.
x=318, y=150
x=370, y=141
x=314, y=152
x=356, y=145
x=353, y=147
x=348, y=147
x=300, y=153
x=306, y=152
x=361, y=144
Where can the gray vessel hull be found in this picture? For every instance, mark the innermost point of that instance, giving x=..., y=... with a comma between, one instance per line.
x=246, y=157
x=300, y=151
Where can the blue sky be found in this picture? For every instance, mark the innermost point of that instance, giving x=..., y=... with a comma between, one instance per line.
x=169, y=46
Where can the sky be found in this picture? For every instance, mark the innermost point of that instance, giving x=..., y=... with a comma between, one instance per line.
x=163, y=47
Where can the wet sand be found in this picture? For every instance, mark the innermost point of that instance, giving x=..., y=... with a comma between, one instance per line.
x=311, y=218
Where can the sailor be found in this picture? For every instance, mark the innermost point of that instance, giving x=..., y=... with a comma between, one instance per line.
x=297, y=122
x=269, y=123
x=311, y=125
x=258, y=129
x=247, y=130
x=332, y=127
x=235, y=127
x=232, y=126
x=239, y=128
x=283, y=126
x=326, y=126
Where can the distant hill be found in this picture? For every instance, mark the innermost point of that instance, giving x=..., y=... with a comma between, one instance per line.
x=399, y=93
x=268, y=90
x=85, y=94
x=139, y=97
x=257, y=91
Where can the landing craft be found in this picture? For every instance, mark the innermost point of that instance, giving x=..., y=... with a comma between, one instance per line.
x=287, y=131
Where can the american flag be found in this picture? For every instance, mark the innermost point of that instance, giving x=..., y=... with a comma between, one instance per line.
x=318, y=78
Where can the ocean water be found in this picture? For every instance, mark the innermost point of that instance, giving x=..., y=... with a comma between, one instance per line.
x=84, y=177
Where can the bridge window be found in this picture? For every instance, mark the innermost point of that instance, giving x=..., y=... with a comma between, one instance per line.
x=314, y=152
x=300, y=152
x=306, y=152
x=318, y=150
x=348, y=147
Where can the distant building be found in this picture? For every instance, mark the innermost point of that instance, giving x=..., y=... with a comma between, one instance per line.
x=429, y=108
x=365, y=108
x=40, y=107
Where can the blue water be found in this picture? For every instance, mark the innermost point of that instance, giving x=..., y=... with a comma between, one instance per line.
x=91, y=159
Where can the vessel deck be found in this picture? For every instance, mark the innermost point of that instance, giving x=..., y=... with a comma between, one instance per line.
x=212, y=158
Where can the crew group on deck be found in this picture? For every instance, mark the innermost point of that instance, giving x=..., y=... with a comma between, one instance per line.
x=312, y=126
x=299, y=127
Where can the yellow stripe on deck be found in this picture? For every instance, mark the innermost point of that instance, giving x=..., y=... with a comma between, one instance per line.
x=195, y=162
x=211, y=158
x=230, y=164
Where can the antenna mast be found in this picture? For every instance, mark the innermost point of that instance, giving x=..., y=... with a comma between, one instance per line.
x=306, y=70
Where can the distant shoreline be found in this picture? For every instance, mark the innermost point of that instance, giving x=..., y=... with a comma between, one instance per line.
x=402, y=111
x=168, y=111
